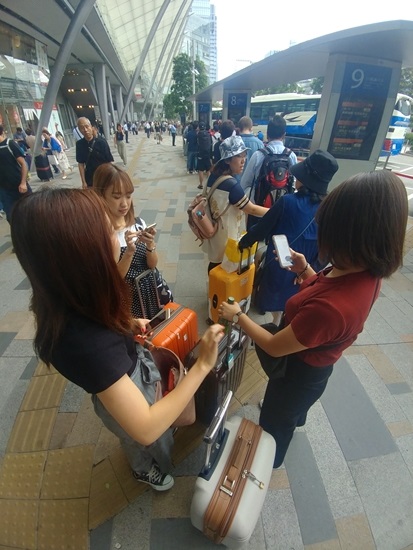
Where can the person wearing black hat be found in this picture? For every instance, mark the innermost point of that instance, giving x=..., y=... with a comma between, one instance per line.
x=293, y=216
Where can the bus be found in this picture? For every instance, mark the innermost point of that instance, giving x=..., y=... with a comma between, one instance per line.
x=300, y=113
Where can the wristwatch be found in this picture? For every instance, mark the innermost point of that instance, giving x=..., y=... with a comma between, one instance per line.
x=236, y=317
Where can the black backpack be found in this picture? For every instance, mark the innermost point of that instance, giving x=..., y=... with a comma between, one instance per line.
x=274, y=179
x=204, y=143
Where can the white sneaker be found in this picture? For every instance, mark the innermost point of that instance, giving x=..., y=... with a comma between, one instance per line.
x=155, y=478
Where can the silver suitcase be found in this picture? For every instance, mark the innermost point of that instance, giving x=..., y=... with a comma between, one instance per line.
x=234, y=527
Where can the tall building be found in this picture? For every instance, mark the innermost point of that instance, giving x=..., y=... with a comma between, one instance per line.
x=201, y=36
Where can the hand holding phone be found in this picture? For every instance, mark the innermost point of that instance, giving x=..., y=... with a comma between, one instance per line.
x=283, y=251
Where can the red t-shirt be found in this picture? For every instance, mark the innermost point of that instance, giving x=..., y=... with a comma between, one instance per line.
x=328, y=310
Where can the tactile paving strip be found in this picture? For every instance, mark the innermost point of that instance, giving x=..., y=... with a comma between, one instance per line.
x=44, y=392
x=21, y=475
x=18, y=521
x=32, y=431
x=67, y=473
x=63, y=524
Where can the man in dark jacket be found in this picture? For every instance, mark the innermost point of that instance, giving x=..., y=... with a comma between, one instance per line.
x=204, y=153
x=91, y=152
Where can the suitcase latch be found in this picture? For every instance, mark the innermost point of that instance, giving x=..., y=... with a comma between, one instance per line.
x=251, y=476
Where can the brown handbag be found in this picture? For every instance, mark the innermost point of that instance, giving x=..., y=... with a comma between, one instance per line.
x=172, y=371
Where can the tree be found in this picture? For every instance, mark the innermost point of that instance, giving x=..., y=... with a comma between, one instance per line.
x=176, y=103
x=406, y=82
x=317, y=85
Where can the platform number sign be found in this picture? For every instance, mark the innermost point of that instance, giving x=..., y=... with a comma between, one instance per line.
x=360, y=109
x=237, y=106
x=204, y=112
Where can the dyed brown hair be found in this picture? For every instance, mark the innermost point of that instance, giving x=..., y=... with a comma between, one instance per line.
x=109, y=174
x=362, y=223
x=62, y=239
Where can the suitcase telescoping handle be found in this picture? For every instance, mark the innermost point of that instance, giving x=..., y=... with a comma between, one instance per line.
x=215, y=431
x=219, y=419
x=241, y=269
x=138, y=279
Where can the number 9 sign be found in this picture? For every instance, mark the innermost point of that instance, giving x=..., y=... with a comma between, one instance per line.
x=357, y=76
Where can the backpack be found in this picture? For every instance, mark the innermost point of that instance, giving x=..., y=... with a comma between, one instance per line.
x=204, y=143
x=274, y=179
x=203, y=223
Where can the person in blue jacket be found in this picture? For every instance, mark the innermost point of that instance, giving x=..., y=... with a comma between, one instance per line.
x=293, y=216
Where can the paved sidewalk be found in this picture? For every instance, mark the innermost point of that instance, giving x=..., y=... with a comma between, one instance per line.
x=64, y=481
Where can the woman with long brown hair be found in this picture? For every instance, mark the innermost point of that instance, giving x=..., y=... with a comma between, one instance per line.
x=361, y=231
x=84, y=327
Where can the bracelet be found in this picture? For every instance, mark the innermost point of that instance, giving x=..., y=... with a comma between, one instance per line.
x=303, y=271
x=151, y=249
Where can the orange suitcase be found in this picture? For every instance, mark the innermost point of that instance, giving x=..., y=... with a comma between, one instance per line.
x=175, y=327
x=237, y=284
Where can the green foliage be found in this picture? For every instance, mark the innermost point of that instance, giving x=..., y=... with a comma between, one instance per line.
x=169, y=107
x=317, y=85
x=406, y=82
x=176, y=102
x=409, y=138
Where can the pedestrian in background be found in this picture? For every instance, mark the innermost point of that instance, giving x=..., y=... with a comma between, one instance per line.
x=119, y=141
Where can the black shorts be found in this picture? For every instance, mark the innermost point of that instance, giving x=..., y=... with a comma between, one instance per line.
x=204, y=164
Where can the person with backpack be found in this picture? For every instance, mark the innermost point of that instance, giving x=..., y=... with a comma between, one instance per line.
x=13, y=182
x=265, y=165
x=292, y=215
x=204, y=141
x=192, y=147
x=229, y=200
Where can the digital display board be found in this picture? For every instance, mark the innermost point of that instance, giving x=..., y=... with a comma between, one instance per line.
x=237, y=106
x=359, y=112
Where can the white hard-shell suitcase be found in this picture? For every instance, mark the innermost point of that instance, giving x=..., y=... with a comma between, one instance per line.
x=238, y=525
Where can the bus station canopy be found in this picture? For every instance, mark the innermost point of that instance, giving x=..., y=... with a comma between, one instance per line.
x=114, y=33
x=390, y=40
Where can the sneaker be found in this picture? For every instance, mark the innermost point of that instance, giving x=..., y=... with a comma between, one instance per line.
x=155, y=478
x=200, y=186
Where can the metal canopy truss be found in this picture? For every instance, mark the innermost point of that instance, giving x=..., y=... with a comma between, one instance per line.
x=114, y=34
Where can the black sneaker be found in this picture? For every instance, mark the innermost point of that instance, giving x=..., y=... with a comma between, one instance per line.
x=155, y=478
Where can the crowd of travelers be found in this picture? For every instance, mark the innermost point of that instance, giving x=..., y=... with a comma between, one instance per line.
x=343, y=243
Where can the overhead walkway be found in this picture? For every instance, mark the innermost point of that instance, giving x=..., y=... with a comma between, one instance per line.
x=65, y=483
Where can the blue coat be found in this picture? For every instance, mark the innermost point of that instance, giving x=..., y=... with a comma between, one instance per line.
x=293, y=216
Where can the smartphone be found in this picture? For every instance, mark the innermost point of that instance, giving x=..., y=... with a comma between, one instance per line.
x=150, y=226
x=283, y=250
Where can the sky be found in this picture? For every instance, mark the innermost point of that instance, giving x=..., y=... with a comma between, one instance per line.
x=249, y=30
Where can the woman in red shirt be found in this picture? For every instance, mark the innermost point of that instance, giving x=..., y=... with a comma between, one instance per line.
x=361, y=231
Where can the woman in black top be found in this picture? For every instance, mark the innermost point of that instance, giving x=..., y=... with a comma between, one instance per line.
x=84, y=327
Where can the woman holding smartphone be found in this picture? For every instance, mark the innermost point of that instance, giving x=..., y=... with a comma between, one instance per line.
x=136, y=239
x=84, y=327
x=361, y=231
